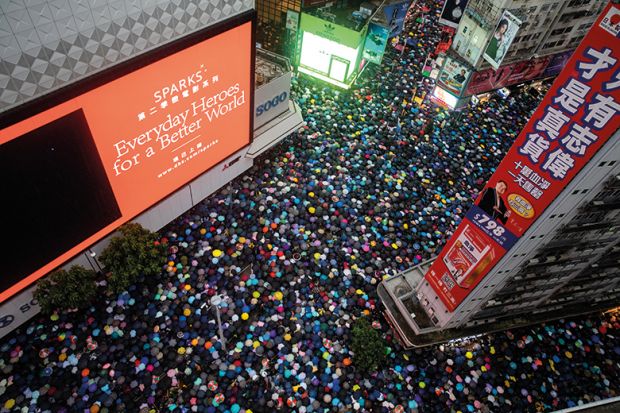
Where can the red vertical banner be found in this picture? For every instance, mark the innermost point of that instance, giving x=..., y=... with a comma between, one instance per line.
x=576, y=117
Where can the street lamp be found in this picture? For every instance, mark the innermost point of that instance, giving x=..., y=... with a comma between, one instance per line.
x=93, y=255
x=215, y=301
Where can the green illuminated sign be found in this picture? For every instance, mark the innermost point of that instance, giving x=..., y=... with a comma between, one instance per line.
x=328, y=51
x=331, y=31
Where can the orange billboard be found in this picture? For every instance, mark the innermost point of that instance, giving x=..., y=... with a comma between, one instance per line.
x=77, y=170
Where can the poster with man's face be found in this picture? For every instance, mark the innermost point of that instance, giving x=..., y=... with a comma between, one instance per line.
x=501, y=39
x=453, y=76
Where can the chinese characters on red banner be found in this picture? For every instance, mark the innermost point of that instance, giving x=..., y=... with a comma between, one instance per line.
x=578, y=115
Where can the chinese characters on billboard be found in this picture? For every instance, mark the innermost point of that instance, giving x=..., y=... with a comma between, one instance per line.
x=577, y=116
x=94, y=161
x=502, y=38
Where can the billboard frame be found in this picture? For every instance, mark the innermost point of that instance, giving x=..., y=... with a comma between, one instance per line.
x=81, y=86
x=74, y=90
x=444, y=10
x=511, y=21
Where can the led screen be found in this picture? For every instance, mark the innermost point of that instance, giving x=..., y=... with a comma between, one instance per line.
x=81, y=168
x=445, y=98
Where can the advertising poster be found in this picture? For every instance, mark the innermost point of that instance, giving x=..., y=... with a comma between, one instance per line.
x=469, y=40
x=292, y=20
x=395, y=15
x=444, y=98
x=432, y=66
x=453, y=76
x=577, y=116
x=557, y=63
x=502, y=38
x=527, y=70
x=488, y=79
x=376, y=41
x=452, y=12
x=78, y=170
x=507, y=75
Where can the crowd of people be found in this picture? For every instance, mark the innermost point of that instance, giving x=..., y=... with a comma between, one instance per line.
x=374, y=184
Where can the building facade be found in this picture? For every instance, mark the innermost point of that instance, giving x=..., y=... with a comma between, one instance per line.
x=538, y=242
x=536, y=38
x=568, y=264
x=55, y=54
x=569, y=261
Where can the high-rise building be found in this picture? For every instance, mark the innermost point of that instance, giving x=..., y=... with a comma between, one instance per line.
x=499, y=43
x=567, y=264
x=542, y=239
x=547, y=26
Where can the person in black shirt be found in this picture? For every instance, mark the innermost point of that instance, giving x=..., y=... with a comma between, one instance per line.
x=493, y=204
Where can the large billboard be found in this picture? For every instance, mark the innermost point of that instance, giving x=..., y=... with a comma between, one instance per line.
x=502, y=38
x=329, y=51
x=80, y=166
x=453, y=76
x=395, y=14
x=376, y=40
x=507, y=75
x=469, y=40
x=452, y=12
x=576, y=117
x=557, y=63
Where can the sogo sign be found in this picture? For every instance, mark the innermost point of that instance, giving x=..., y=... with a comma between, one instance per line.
x=271, y=100
x=270, y=104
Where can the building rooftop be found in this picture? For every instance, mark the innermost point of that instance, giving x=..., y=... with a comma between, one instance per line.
x=269, y=66
x=353, y=15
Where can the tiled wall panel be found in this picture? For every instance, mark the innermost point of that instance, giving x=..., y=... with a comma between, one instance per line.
x=47, y=44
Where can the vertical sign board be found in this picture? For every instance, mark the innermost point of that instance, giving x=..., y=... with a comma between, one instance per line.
x=502, y=38
x=84, y=164
x=395, y=14
x=292, y=20
x=576, y=117
x=452, y=12
x=376, y=40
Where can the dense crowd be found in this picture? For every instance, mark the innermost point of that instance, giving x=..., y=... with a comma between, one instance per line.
x=372, y=185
